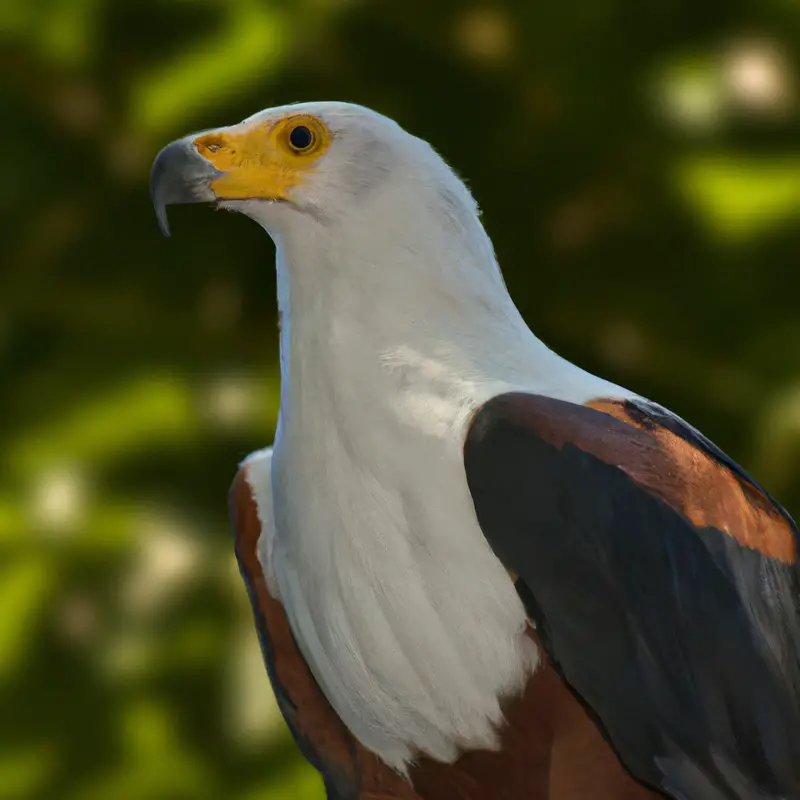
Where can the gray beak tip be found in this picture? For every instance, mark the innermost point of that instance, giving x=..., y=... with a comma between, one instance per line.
x=179, y=175
x=163, y=223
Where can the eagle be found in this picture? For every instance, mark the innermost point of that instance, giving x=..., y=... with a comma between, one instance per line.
x=477, y=570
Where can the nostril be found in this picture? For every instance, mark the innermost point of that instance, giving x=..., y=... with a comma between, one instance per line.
x=211, y=143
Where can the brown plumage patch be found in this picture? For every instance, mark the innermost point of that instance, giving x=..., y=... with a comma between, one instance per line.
x=551, y=748
x=705, y=490
x=689, y=479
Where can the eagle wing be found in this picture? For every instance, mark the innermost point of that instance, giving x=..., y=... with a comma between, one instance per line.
x=663, y=582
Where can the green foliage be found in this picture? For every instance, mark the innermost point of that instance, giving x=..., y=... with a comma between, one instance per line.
x=740, y=199
x=248, y=41
x=638, y=168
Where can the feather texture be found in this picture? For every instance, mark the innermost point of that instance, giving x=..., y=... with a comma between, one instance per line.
x=663, y=582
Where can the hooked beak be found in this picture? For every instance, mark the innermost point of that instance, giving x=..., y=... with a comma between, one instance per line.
x=181, y=175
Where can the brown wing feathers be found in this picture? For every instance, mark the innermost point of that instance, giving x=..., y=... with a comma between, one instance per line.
x=690, y=480
x=693, y=479
x=663, y=581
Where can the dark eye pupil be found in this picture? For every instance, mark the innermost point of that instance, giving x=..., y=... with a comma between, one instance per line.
x=301, y=138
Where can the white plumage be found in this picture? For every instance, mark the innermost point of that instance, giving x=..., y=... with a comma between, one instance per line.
x=396, y=326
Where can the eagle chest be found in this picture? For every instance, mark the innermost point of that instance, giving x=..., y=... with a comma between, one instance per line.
x=549, y=747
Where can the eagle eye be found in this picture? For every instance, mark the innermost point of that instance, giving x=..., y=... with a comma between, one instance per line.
x=301, y=138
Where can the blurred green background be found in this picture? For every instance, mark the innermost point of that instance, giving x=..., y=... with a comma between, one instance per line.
x=638, y=163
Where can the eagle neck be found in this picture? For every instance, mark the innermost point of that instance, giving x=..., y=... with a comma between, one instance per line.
x=346, y=325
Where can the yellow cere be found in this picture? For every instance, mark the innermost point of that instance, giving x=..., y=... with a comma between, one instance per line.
x=264, y=160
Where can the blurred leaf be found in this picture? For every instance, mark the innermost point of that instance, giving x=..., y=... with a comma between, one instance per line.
x=739, y=199
x=147, y=409
x=298, y=783
x=246, y=49
x=25, y=585
x=156, y=766
x=689, y=91
x=778, y=443
x=24, y=772
x=15, y=18
x=13, y=520
x=61, y=31
x=68, y=28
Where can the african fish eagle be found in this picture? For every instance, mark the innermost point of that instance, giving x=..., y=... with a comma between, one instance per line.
x=478, y=571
